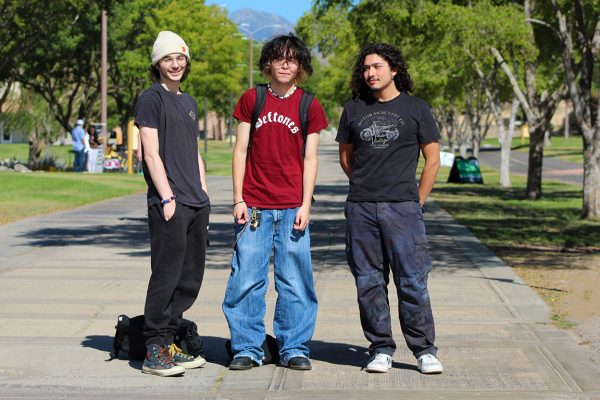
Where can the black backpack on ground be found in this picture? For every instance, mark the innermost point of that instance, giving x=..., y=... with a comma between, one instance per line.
x=129, y=338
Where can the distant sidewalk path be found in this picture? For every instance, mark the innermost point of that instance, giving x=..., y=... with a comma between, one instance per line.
x=65, y=277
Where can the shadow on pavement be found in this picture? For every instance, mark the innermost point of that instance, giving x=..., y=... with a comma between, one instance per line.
x=99, y=342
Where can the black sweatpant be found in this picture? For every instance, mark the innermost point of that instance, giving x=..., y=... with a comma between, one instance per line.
x=178, y=249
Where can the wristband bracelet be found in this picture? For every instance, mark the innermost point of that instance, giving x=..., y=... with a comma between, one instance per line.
x=167, y=201
x=239, y=202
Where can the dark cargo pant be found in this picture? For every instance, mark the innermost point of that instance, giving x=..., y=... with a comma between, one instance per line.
x=391, y=235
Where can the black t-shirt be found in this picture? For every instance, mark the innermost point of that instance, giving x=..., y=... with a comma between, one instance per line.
x=175, y=117
x=386, y=139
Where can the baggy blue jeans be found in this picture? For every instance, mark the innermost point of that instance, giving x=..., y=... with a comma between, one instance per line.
x=391, y=235
x=296, y=307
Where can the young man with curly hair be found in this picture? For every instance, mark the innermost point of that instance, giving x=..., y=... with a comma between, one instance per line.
x=381, y=133
x=273, y=183
x=178, y=204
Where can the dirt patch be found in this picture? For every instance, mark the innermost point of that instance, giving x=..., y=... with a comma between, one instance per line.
x=568, y=280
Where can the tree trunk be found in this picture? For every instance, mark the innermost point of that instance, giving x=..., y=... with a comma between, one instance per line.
x=462, y=150
x=476, y=146
x=547, y=141
x=36, y=146
x=566, y=127
x=591, y=174
x=536, y=155
x=220, y=123
x=506, y=144
x=505, y=164
x=451, y=128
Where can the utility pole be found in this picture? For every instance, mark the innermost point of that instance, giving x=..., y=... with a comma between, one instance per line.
x=244, y=27
x=103, y=80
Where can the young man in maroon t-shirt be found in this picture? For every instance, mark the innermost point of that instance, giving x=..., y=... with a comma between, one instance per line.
x=273, y=184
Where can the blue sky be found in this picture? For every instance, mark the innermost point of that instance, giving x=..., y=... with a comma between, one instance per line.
x=290, y=10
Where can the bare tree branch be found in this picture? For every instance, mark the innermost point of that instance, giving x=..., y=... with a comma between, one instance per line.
x=515, y=85
x=544, y=23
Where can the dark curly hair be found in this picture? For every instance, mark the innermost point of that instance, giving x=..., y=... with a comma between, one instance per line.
x=286, y=46
x=394, y=58
x=155, y=72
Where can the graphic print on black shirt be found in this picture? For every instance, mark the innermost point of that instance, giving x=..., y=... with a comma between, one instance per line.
x=380, y=128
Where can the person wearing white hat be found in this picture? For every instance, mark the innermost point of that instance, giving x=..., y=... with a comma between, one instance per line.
x=178, y=204
x=77, y=135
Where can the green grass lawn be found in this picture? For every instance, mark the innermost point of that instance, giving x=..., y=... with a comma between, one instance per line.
x=217, y=158
x=502, y=217
x=39, y=193
x=20, y=151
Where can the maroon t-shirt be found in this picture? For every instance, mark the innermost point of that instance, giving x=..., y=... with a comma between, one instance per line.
x=274, y=166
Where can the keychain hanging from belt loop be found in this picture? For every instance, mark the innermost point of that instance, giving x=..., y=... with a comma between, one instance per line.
x=255, y=218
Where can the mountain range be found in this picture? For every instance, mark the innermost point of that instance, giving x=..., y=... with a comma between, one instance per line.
x=261, y=25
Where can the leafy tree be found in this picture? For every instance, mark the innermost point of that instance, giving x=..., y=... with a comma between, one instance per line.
x=440, y=40
x=332, y=36
x=24, y=25
x=215, y=48
x=578, y=29
x=62, y=67
x=130, y=42
x=543, y=90
x=29, y=112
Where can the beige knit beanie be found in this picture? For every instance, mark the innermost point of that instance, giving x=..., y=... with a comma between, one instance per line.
x=167, y=43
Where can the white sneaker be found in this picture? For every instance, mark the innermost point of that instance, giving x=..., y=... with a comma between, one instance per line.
x=429, y=364
x=379, y=363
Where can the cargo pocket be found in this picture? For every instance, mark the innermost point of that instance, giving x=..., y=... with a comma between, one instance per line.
x=422, y=260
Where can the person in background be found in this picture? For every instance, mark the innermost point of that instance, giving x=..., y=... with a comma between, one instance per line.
x=77, y=137
x=86, y=150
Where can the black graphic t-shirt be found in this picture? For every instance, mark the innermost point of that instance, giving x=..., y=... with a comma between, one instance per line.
x=386, y=139
x=175, y=117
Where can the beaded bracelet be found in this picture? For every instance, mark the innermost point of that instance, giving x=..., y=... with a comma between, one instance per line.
x=167, y=201
x=239, y=202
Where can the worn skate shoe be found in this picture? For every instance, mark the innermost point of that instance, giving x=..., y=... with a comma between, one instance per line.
x=158, y=362
x=184, y=360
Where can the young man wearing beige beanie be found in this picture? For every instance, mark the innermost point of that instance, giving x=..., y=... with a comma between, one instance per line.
x=178, y=204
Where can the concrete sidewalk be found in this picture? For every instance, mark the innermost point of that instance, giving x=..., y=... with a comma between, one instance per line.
x=65, y=278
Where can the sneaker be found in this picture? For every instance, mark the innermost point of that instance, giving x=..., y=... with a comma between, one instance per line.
x=158, y=362
x=429, y=364
x=379, y=363
x=185, y=360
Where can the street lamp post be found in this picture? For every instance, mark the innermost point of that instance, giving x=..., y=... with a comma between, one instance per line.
x=103, y=73
x=250, y=34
